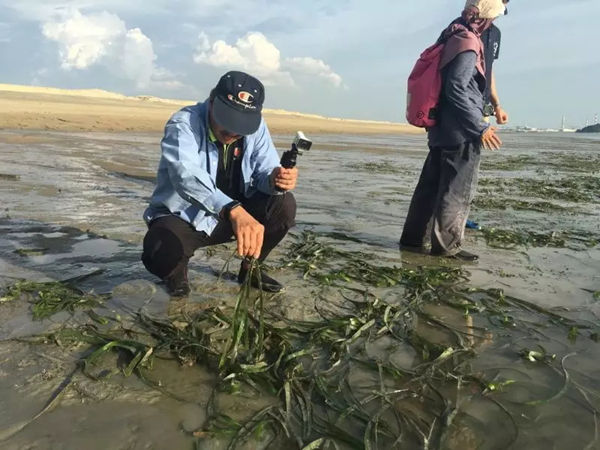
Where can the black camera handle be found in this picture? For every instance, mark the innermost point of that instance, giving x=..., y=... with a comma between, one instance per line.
x=288, y=159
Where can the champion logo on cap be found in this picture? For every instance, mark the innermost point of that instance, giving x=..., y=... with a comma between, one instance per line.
x=246, y=97
x=237, y=102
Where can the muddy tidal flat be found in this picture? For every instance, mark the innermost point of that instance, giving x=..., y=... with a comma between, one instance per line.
x=366, y=348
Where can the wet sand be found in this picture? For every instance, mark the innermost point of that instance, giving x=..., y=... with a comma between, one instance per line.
x=77, y=198
x=36, y=108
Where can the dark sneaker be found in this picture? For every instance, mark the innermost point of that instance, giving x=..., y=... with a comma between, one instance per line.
x=464, y=255
x=267, y=283
x=412, y=248
x=178, y=284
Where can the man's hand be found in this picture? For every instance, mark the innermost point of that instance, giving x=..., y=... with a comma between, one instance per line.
x=490, y=140
x=248, y=232
x=501, y=115
x=285, y=179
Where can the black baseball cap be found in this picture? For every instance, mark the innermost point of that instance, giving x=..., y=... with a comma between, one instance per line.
x=237, y=103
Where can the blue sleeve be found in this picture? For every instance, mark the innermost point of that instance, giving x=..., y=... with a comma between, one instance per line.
x=265, y=160
x=189, y=178
x=457, y=79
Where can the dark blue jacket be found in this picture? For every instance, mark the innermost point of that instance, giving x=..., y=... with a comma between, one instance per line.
x=460, y=111
x=491, y=39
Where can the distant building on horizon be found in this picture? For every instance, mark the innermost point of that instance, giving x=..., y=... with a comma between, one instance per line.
x=564, y=128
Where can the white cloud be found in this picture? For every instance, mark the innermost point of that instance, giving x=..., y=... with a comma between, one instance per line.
x=314, y=67
x=103, y=39
x=164, y=79
x=255, y=54
x=84, y=40
x=252, y=53
x=137, y=59
x=217, y=54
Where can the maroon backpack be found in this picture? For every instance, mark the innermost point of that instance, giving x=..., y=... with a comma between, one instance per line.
x=425, y=81
x=424, y=88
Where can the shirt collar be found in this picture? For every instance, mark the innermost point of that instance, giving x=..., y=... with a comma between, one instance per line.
x=214, y=140
x=211, y=135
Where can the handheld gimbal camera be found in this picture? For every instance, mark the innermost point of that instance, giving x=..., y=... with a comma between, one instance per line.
x=300, y=144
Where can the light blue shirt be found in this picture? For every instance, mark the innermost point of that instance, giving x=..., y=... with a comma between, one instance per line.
x=186, y=184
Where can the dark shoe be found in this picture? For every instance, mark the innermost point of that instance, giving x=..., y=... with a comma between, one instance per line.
x=464, y=255
x=178, y=284
x=412, y=248
x=267, y=283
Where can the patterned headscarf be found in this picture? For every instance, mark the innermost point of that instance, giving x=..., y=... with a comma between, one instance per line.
x=478, y=25
x=486, y=9
x=463, y=35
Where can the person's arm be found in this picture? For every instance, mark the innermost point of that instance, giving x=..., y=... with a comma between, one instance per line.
x=457, y=78
x=190, y=180
x=458, y=75
x=501, y=115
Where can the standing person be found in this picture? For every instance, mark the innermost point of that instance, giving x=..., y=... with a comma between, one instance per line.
x=491, y=39
x=445, y=189
x=218, y=177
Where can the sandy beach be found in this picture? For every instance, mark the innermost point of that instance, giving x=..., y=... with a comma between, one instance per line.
x=42, y=108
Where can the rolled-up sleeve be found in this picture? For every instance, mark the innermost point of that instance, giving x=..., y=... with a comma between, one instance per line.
x=458, y=76
x=189, y=178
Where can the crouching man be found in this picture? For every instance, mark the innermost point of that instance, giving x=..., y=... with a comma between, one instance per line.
x=218, y=177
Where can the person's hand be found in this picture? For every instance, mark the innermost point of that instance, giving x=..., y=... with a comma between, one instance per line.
x=490, y=140
x=501, y=115
x=248, y=232
x=285, y=179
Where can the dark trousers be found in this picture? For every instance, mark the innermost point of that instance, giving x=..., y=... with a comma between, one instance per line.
x=442, y=199
x=170, y=241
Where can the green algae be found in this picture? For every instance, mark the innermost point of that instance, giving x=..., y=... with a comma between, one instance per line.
x=510, y=239
x=30, y=251
x=504, y=203
x=384, y=167
x=49, y=298
x=311, y=366
x=576, y=189
x=567, y=162
x=308, y=365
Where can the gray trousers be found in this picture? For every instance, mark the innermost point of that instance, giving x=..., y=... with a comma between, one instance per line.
x=440, y=204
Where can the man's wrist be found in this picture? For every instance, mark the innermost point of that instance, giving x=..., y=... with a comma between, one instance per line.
x=226, y=211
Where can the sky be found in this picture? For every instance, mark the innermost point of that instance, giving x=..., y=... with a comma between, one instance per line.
x=348, y=58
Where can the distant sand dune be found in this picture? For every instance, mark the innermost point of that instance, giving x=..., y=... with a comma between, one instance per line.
x=33, y=107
